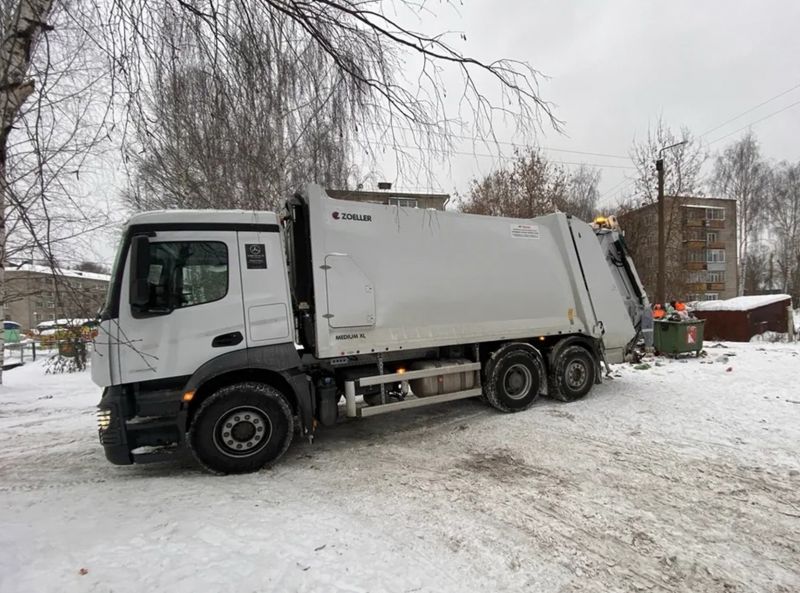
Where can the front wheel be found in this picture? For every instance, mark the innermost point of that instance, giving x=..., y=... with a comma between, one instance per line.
x=241, y=428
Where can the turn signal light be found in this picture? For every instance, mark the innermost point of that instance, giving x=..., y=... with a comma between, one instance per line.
x=188, y=396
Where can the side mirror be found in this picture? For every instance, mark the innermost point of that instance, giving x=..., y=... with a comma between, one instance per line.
x=139, y=270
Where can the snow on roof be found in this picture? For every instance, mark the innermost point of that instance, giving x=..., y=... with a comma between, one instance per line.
x=742, y=303
x=63, y=323
x=61, y=272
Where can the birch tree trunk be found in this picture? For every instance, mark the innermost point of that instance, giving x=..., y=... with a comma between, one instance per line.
x=21, y=29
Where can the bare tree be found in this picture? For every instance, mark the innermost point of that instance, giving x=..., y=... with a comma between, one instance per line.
x=246, y=134
x=533, y=186
x=389, y=79
x=741, y=174
x=682, y=164
x=22, y=27
x=583, y=192
x=758, y=275
x=55, y=144
x=784, y=223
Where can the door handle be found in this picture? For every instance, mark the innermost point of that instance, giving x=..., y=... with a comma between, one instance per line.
x=230, y=339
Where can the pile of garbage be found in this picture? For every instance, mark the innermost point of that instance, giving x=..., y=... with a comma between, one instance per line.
x=672, y=311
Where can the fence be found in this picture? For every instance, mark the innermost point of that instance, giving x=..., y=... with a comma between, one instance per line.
x=18, y=353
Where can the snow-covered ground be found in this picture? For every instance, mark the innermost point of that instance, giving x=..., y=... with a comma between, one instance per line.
x=679, y=477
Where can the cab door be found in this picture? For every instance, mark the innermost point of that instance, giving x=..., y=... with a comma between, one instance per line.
x=194, y=311
x=265, y=286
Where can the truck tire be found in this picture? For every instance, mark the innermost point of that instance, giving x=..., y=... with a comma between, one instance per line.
x=241, y=428
x=513, y=380
x=572, y=375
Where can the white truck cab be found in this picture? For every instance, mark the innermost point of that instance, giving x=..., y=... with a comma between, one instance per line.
x=213, y=282
x=225, y=330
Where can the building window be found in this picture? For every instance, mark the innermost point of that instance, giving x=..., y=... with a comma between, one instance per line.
x=695, y=213
x=716, y=276
x=403, y=202
x=712, y=296
x=715, y=256
x=697, y=255
x=712, y=236
x=694, y=297
x=696, y=234
x=696, y=277
x=715, y=213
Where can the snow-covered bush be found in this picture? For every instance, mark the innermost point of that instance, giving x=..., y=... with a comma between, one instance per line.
x=71, y=358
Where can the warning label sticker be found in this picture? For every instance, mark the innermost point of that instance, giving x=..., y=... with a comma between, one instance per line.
x=524, y=231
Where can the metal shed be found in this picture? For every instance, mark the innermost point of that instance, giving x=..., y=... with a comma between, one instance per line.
x=741, y=318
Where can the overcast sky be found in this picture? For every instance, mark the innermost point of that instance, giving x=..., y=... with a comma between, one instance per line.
x=615, y=66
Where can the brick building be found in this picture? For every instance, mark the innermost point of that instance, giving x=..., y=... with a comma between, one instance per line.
x=34, y=294
x=700, y=243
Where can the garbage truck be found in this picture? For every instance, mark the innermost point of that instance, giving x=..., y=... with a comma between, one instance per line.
x=227, y=333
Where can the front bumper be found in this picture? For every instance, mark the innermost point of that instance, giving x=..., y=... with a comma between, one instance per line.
x=111, y=426
x=122, y=432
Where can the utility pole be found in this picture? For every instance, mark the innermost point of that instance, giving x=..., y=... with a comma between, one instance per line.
x=662, y=251
x=662, y=247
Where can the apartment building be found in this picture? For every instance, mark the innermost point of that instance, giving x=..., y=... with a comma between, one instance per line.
x=34, y=294
x=700, y=247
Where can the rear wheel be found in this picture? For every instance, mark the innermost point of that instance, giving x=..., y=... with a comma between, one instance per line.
x=572, y=375
x=513, y=379
x=241, y=428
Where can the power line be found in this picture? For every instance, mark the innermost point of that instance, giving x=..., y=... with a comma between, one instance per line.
x=511, y=157
x=623, y=185
x=743, y=113
x=752, y=123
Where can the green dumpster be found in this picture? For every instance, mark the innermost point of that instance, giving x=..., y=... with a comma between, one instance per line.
x=677, y=337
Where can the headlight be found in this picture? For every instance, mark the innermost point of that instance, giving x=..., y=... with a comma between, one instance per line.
x=103, y=419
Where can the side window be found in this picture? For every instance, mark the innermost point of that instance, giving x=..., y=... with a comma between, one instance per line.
x=187, y=273
x=403, y=202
